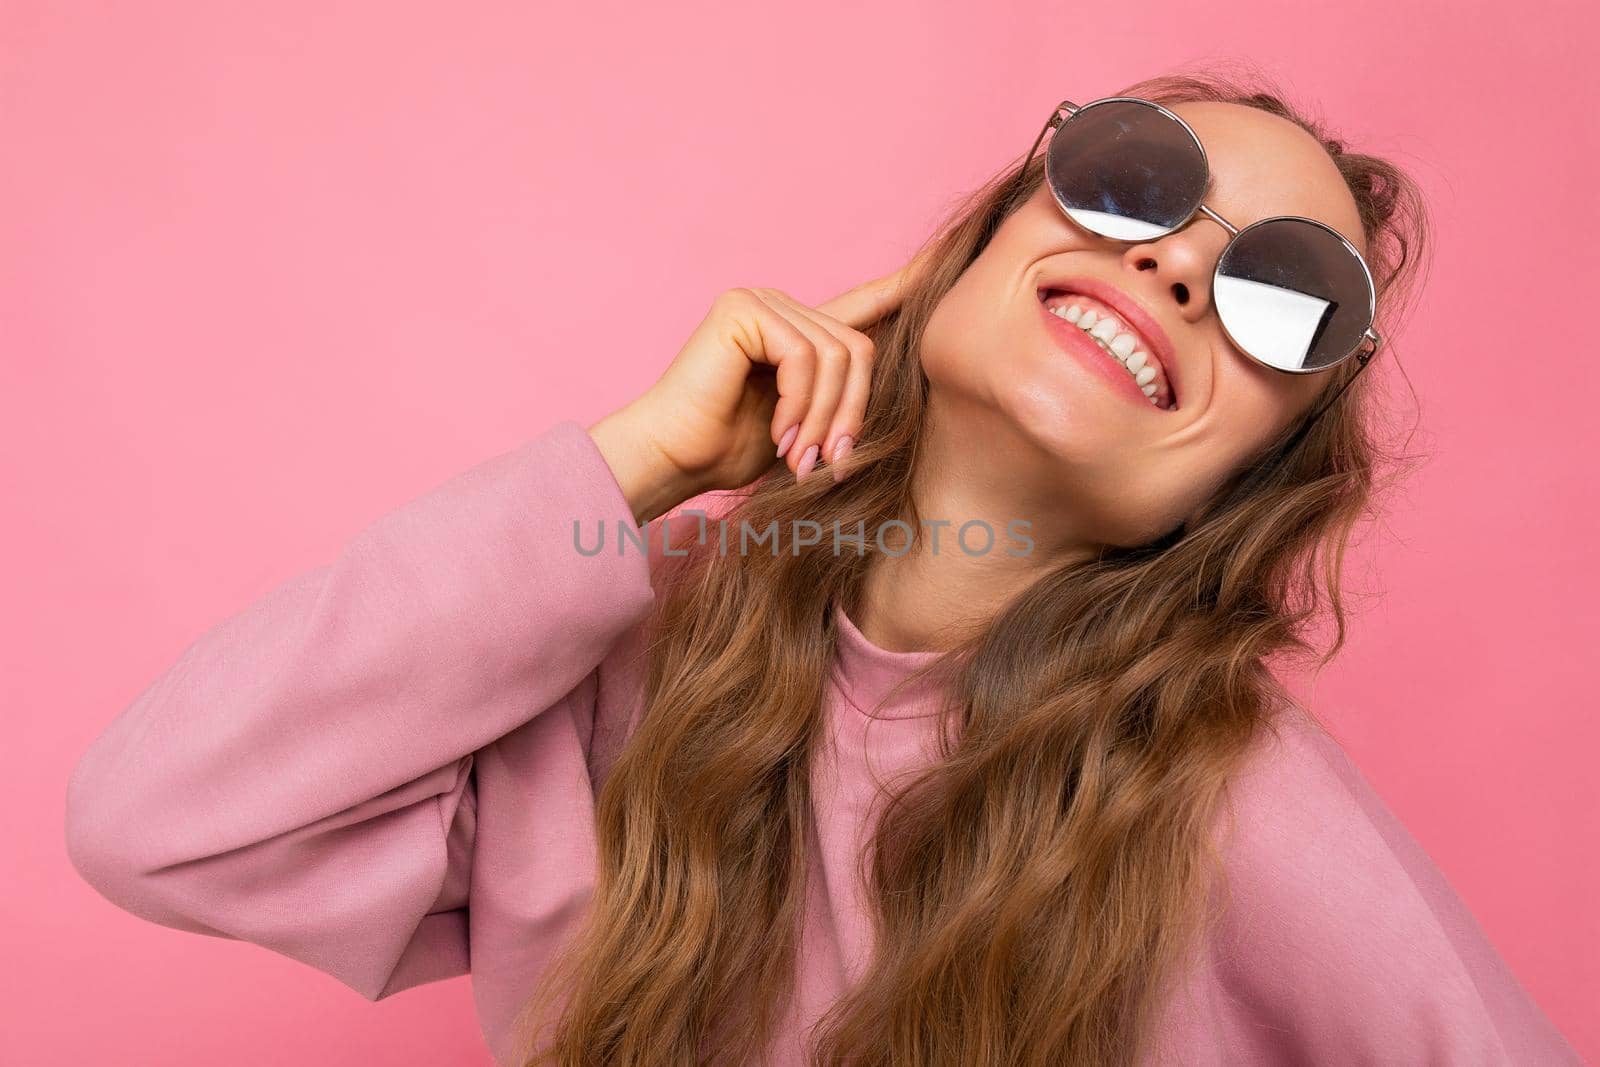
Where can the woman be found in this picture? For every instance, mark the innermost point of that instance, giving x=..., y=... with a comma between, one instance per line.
x=690, y=804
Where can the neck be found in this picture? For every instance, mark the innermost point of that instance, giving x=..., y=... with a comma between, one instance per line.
x=972, y=468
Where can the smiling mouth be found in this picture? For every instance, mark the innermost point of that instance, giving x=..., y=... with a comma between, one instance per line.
x=1120, y=341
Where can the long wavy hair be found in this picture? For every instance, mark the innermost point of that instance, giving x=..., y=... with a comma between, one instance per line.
x=1035, y=886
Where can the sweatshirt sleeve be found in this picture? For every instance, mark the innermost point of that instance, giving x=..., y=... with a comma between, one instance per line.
x=1344, y=943
x=301, y=777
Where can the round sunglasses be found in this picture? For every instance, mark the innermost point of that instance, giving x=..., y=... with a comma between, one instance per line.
x=1291, y=292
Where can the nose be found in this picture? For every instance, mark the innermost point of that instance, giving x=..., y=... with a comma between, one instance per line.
x=1180, y=265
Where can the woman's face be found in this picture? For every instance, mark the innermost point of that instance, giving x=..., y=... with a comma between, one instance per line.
x=1072, y=424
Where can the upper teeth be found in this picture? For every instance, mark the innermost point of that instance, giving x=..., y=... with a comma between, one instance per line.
x=1109, y=334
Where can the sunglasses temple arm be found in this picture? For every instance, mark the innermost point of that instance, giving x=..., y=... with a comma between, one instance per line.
x=1054, y=120
x=1361, y=360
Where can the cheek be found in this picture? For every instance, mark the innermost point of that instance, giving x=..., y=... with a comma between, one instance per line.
x=1247, y=411
x=940, y=354
x=965, y=340
x=1163, y=486
x=980, y=355
x=1253, y=403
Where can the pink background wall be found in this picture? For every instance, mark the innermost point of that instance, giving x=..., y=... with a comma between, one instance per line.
x=268, y=272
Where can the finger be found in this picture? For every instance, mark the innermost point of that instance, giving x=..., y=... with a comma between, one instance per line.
x=871, y=301
x=778, y=343
x=852, y=405
x=830, y=366
x=852, y=411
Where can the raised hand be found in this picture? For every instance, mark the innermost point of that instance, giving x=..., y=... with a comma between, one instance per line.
x=762, y=376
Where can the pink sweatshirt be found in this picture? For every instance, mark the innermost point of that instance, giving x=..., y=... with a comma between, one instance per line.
x=386, y=769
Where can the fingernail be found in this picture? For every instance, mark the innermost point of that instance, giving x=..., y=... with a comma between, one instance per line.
x=787, y=439
x=841, y=449
x=807, y=461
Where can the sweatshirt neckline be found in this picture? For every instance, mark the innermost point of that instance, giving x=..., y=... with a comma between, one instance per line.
x=870, y=678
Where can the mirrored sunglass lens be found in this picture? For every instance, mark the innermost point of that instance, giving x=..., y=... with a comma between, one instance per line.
x=1125, y=170
x=1293, y=295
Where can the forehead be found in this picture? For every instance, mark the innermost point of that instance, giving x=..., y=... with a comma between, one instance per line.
x=1263, y=165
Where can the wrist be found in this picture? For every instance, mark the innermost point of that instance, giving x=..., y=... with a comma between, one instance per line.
x=652, y=484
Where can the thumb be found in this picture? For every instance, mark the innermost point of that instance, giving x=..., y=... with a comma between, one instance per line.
x=871, y=301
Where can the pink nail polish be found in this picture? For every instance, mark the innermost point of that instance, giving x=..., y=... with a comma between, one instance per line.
x=841, y=449
x=807, y=461
x=787, y=439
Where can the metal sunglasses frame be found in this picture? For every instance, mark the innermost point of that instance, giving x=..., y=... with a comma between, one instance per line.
x=1370, y=336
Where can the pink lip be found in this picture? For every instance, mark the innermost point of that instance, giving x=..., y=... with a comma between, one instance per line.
x=1069, y=337
x=1132, y=313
